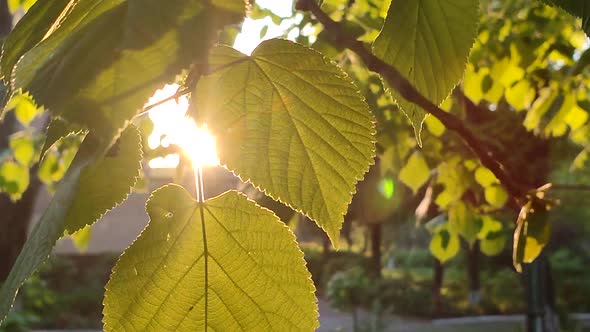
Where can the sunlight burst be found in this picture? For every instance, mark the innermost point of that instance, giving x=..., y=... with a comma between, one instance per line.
x=173, y=126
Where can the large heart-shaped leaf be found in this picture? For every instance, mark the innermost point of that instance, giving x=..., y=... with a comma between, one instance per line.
x=106, y=58
x=428, y=41
x=96, y=181
x=223, y=265
x=292, y=123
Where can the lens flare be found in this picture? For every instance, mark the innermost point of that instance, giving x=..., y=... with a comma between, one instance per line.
x=172, y=126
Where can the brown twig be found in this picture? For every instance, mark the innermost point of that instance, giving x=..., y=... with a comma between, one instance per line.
x=573, y=187
x=398, y=82
x=179, y=93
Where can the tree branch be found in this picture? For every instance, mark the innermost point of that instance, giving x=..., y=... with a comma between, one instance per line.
x=398, y=82
x=179, y=93
x=573, y=187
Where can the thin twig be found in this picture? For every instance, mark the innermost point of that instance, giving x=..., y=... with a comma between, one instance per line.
x=573, y=187
x=398, y=82
x=179, y=93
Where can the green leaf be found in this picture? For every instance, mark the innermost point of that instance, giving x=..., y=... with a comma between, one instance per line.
x=223, y=265
x=578, y=8
x=81, y=238
x=434, y=126
x=114, y=174
x=23, y=149
x=292, y=123
x=428, y=41
x=496, y=196
x=73, y=206
x=415, y=173
x=464, y=222
x=29, y=31
x=56, y=131
x=491, y=236
x=493, y=244
x=107, y=58
x=452, y=175
x=444, y=244
x=521, y=95
x=485, y=177
x=14, y=179
x=532, y=233
x=24, y=108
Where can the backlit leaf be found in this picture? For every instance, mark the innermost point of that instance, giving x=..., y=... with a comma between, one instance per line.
x=73, y=206
x=24, y=108
x=81, y=238
x=463, y=221
x=415, y=173
x=444, y=245
x=23, y=149
x=491, y=236
x=29, y=31
x=101, y=64
x=485, y=177
x=578, y=8
x=493, y=244
x=57, y=130
x=225, y=265
x=428, y=41
x=532, y=233
x=14, y=179
x=496, y=196
x=292, y=123
x=521, y=95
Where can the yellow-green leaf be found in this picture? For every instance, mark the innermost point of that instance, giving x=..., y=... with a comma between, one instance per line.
x=532, y=233
x=292, y=123
x=223, y=265
x=485, y=177
x=428, y=41
x=91, y=203
x=464, y=222
x=520, y=95
x=491, y=236
x=73, y=207
x=81, y=238
x=14, y=179
x=434, y=126
x=416, y=172
x=496, y=196
x=444, y=244
x=579, y=8
x=29, y=31
x=57, y=130
x=106, y=58
x=23, y=149
x=24, y=108
x=493, y=244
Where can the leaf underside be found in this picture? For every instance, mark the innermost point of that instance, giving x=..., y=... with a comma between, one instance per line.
x=428, y=41
x=292, y=123
x=93, y=184
x=225, y=265
x=106, y=58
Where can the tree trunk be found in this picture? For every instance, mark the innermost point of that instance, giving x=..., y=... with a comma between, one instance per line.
x=14, y=216
x=473, y=274
x=439, y=273
x=541, y=316
x=375, y=269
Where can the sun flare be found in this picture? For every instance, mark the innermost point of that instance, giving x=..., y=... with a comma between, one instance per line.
x=173, y=126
